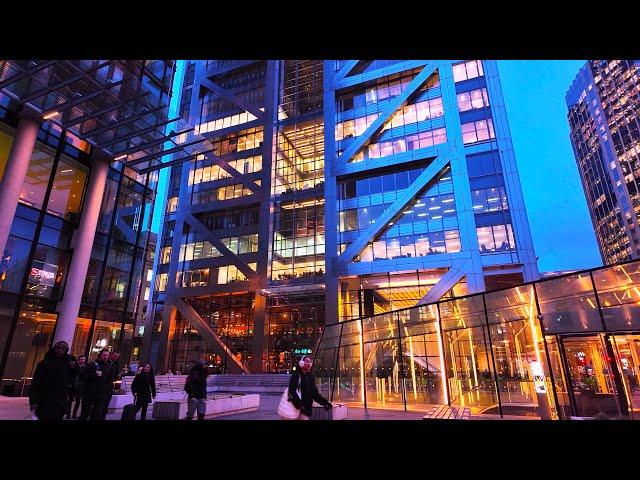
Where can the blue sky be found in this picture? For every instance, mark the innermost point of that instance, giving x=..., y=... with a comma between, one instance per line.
x=561, y=228
x=558, y=216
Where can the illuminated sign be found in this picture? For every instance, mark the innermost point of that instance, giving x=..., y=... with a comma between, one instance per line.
x=46, y=275
x=538, y=377
x=302, y=351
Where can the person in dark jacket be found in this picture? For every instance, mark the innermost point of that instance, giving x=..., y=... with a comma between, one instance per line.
x=196, y=388
x=114, y=360
x=77, y=391
x=99, y=377
x=52, y=383
x=144, y=387
x=303, y=379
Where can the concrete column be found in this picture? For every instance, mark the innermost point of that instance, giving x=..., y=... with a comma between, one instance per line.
x=16, y=171
x=85, y=236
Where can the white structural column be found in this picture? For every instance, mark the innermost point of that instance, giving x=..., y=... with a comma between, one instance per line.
x=16, y=171
x=85, y=236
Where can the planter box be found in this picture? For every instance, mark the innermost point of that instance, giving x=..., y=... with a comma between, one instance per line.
x=338, y=412
x=217, y=406
x=169, y=410
x=119, y=401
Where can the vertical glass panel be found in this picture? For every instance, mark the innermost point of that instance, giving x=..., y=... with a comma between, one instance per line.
x=348, y=386
x=516, y=346
x=108, y=204
x=628, y=348
x=116, y=278
x=37, y=179
x=13, y=264
x=469, y=370
x=421, y=359
x=48, y=273
x=562, y=392
x=324, y=363
x=67, y=189
x=80, y=336
x=94, y=270
x=591, y=377
x=382, y=372
x=5, y=147
x=30, y=343
x=8, y=305
x=105, y=335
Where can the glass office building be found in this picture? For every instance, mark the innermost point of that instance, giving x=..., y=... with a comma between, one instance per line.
x=604, y=105
x=328, y=191
x=73, y=207
x=557, y=348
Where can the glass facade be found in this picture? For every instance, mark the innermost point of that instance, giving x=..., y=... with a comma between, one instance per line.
x=36, y=260
x=288, y=182
x=558, y=348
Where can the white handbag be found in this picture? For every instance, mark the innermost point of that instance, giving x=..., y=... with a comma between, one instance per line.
x=286, y=409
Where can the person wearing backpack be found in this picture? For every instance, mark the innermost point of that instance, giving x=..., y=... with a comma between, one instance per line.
x=196, y=388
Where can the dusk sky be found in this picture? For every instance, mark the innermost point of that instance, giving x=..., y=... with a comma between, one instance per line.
x=560, y=224
x=534, y=93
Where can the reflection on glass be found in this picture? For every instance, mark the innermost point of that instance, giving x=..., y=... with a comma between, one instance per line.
x=591, y=377
x=568, y=304
x=105, y=335
x=37, y=179
x=66, y=193
x=13, y=263
x=30, y=343
x=619, y=293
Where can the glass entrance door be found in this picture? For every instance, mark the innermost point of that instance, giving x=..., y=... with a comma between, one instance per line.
x=590, y=377
x=628, y=356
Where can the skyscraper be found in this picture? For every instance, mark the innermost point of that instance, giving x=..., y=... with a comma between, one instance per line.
x=604, y=105
x=332, y=190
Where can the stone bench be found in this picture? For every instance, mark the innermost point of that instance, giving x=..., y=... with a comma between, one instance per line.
x=118, y=402
x=446, y=412
x=217, y=406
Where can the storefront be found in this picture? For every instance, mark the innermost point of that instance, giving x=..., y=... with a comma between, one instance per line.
x=564, y=347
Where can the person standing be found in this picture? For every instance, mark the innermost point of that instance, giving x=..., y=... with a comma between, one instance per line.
x=196, y=388
x=144, y=387
x=99, y=387
x=303, y=380
x=114, y=360
x=77, y=392
x=52, y=383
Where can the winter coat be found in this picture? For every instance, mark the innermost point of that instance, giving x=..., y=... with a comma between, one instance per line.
x=99, y=386
x=144, y=386
x=79, y=383
x=196, y=384
x=51, y=385
x=308, y=390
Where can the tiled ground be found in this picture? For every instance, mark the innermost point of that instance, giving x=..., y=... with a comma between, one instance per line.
x=17, y=408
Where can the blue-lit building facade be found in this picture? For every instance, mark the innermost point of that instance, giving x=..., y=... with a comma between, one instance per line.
x=332, y=190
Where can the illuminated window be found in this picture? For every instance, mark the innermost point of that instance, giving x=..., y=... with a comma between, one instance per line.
x=467, y=70
x=477, y=131
x=473, y=99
